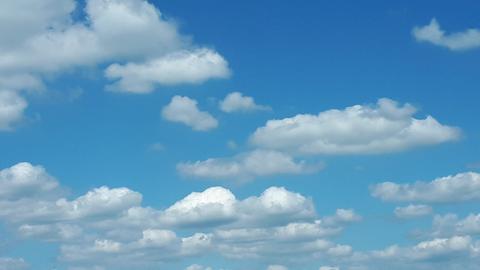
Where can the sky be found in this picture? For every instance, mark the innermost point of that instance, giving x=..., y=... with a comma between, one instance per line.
x=239, y=135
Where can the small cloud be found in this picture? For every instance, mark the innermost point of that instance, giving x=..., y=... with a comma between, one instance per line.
x=156, y=147
x=185, y=110
x=432, y=33
x=237, y=102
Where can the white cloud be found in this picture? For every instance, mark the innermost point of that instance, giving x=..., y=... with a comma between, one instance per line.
x=12, y=264
x=247, y=166
x=277, y=267
x=360, y=129
x=184, y=110
x=449, y=224
x=12, y=107
x=430, y=250
x=432, y=33
x=413, y=211
x=453, y=188
x=237, y=102
x=197, y=267
x=214, y=205
x=24, y=180
x=107, y=228
x=180, y=67
x=328, y=268
x=142, y=47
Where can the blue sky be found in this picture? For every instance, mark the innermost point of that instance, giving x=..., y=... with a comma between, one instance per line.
x=239, y=135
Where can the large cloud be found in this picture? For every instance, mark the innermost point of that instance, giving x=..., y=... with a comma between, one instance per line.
x=432, y=33
x=109, y=228
x=247, y=166
x=360, y=129
x=453, y=188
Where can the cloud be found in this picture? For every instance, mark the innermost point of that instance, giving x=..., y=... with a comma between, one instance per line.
x=109, y=228
x=360, y=129
x=413, y=211
x=12, y=107
x=450, y=224
x=179, y=67
x=277, y=267
x=246, y=166
x=453, y=188
x=12, y=264
x=430, y=250
x=328, y=268
x=432, y=33
x=24, y=180
x=139, y=46
x=197, y=267
x=184, y=110
x=237, y=102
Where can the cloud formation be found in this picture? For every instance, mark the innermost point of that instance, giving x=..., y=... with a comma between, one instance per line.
x=247, y=166
x=237, y=102
x=184, y=110
x=140, y=48
x=452, y=188
x=360, y=129
x=413, y=211
x=109, y=227
x=432, y=33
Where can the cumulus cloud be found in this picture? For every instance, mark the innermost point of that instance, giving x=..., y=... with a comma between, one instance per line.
x=109, y=228
x=132, y=37
x=413, y=211
x=360, y=129
x=450, y=224
x=180, y=67
x=430, y=250
x=453, y=188
x=185, y=110
x=12, y=107
x=25, y=180
x=432, y=33
x=237, y=102
x=247, y=166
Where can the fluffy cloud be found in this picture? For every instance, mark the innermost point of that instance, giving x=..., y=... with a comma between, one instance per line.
x=360, y=129
x=25, y=180
x=139, y=46
x=12, y=107
x=413, y=211
x=237, y=102
x=450, y=224
x=453, y=188
x=247, y=166
x=131, y=32
x=108, y=228
x=180, y=67
x=184, y=110
x=430, y=250
x=432, y=33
